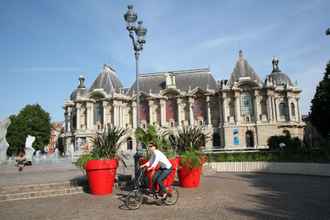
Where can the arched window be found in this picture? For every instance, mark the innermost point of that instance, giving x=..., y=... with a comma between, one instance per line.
x=216, y=139
x=249, y=139
x=129, y=144
x=293, y=110
x=98, y=113
x=283, y=108
x=246, y=104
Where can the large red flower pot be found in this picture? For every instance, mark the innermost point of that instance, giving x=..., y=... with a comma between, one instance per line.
x=169, y=179
x=101, y=176
x=189, y=178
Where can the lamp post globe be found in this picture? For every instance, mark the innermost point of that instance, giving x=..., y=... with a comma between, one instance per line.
x=130, y=17
x=327, y=32
x=141, y=32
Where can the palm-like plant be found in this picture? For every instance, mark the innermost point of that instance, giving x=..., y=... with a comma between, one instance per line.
x=146, y=136
x=160, y=138
x=188, y=142
x=106, y=144
x=189, y=139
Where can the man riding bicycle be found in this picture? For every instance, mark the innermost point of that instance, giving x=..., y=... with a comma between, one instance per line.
x=165, y=169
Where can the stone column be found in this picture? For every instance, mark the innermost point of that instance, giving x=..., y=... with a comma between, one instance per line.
x=115, y=114
x=151, y=111
x=78, y=106
x=121, y=115
x=278, y=118
x=90, y=116
x=208, y=102
x=163, y=112
x=289, y=108
x=237, y=107
x=257, y=107
x=269, y=108
x=179, y=117
x=69, y=116
x=225, y=107
x=109, y=115
x=191, y=111
x=298, y=110
x=105, y=121
x=134, y=114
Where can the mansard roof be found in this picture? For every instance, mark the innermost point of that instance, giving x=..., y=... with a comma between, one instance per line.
x=184, y=79
x=108, y=81
x=243, y=71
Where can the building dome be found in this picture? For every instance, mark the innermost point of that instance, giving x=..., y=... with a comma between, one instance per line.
x=80, y=91
x=243, y=72
x=277, y=76
x=108, y=81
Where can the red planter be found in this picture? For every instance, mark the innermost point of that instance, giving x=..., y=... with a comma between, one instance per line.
x=189, y=178
x=169, y=179
x=101, y=176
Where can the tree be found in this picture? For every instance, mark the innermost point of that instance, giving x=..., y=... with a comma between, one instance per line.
x=320, y=108
x=31, y=120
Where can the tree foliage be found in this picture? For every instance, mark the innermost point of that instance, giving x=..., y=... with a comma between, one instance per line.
x=31, y=120
x=320, y=108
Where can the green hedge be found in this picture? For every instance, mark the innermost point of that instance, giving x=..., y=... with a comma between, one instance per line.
x=313, y=156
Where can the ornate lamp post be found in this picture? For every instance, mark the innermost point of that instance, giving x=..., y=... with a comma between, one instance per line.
x=137, y=34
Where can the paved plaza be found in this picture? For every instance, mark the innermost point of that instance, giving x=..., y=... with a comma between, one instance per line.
x=220, y=196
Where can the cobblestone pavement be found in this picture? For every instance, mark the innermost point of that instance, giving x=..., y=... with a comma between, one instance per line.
x=220, y=196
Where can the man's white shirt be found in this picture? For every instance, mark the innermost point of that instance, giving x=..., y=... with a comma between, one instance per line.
x=159, y=157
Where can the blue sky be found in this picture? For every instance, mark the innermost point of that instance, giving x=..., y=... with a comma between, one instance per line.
x=46, y=45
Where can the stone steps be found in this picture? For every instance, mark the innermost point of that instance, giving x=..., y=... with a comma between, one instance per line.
x=45, y=190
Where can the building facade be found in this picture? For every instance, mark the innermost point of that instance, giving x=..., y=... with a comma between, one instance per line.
x=239, y=113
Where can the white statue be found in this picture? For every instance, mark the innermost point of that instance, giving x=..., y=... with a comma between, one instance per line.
x=3, y=142
x=28, y=147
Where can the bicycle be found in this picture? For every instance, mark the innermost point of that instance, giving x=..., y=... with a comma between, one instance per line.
x=135, y=198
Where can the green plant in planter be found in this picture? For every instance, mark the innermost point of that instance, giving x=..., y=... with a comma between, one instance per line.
x=159, y=138
x=192, y=159
x=105, y=146
x=82, y=160
x=188, y=142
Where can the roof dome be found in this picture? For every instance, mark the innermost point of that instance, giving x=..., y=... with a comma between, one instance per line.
x=108, y=81
x=277, y=76
x=243, y=72
x=80, y=91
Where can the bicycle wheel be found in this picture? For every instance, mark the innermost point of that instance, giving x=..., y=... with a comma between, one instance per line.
x=134, y=199
x=172, y=196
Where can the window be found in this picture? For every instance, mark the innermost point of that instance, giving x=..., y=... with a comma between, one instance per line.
x=283, y=110
x=293, y=109
x=98, y=113
x=216, y=139
x=249, y=139
x=246, y=104
x=129, y=144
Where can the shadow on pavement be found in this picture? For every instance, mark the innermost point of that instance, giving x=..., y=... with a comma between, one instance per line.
x=286, y=197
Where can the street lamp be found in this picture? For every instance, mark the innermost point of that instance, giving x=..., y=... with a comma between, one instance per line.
x=137, y=34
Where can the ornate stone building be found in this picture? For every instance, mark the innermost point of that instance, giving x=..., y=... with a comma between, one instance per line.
x=239, y=113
